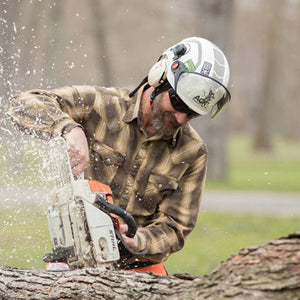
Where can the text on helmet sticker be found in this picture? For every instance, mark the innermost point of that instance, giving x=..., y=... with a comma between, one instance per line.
x=206, y=68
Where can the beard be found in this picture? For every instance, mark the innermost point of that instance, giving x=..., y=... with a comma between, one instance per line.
x=163, y=121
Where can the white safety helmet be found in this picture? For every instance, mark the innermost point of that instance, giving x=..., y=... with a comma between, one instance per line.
x=198, y=73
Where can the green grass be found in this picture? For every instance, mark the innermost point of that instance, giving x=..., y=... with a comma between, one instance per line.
x=24, y=236
x=25, y=239
x=268, y=171
x=24, y=164
x=248, y=170
x=218, y=236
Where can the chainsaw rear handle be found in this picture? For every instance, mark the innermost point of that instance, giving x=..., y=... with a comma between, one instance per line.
x=111, y=208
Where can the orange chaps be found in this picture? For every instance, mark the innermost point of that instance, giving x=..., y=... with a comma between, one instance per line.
x=157, y=269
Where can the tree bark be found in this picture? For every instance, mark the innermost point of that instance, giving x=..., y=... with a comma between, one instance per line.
x=270, y=271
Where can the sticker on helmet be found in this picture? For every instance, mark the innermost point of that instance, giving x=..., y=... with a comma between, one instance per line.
x=204, y=101
x=206, y=68
x=189, y=65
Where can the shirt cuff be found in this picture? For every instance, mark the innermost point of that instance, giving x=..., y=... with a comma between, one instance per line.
x=141, y=239
x=64, y=127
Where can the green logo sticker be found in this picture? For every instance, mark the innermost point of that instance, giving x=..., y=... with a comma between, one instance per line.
x=190, y=65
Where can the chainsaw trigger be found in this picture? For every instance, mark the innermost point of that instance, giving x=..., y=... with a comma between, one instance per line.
x=101, y=203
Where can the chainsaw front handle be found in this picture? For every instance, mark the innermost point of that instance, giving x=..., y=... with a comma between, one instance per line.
x=101, y=202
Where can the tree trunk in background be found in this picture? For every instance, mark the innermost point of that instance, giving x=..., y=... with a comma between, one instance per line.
x=263, y=133
x=271, y=271
x=9, y=57
x=289, y=75
x=215, y=24
x=54, y=50
x=75, y=40
x=9, y=63
x=98, y=25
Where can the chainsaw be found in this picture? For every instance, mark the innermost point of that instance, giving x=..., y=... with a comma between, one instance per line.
x=82, y=219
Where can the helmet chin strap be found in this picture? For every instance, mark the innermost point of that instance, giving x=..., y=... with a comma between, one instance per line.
x=145, y=80
x=158, y=90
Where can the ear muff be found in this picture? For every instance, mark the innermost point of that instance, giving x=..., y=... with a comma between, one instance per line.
x=158, y=73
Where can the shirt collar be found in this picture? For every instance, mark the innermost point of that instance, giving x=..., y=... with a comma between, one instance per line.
x=134, y=106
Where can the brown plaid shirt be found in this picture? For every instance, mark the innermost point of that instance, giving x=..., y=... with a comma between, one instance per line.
x=159, y=180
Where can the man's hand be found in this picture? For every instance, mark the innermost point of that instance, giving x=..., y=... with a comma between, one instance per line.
x=131, y=242
x=77, y=149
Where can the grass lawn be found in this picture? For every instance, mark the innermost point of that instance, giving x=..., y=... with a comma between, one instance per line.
x=25, y=239
x=24, y=236
x=217, y=236
x=247, y=170
x=278, y=170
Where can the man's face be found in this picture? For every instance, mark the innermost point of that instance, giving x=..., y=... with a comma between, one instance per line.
x=165, y=119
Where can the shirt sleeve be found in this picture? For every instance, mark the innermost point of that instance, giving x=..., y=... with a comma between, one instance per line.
x=47, y=114
x=176, y=216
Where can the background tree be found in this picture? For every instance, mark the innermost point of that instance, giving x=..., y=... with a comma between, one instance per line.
x=48, y=44
x=265, y=107
x=99, y=30
x=218, y=15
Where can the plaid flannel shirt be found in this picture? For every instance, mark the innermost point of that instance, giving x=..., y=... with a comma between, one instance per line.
x=157, y=179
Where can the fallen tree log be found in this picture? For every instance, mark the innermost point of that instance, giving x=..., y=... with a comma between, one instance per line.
x=270, y=271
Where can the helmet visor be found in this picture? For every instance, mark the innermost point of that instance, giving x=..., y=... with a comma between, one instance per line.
x=202, y=94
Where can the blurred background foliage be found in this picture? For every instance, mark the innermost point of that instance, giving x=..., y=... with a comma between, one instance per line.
x=254, y=145
x=46, y=44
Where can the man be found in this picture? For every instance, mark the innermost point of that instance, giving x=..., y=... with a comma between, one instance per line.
x=140, y=143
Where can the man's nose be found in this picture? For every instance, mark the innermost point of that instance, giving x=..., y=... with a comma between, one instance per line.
x=181, y=117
